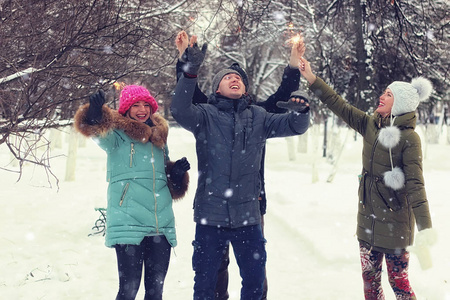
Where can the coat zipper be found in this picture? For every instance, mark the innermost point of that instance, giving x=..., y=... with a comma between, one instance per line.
x=370, y=191
x=124, y=193
x=154, y=192
x=384, y=201
x=132, y=151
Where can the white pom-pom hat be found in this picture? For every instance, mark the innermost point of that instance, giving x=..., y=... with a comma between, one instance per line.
x=407, y=96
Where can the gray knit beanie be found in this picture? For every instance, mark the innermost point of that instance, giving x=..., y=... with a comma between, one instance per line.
x=218, y=78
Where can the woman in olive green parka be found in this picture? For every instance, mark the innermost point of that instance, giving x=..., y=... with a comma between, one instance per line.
x=392, y=196
x=140, y=222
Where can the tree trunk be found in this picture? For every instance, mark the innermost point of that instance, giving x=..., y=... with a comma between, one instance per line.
x=361, y=57
x=72, y=155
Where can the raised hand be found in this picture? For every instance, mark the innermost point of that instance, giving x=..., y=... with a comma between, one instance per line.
x=305, y=70
x=97, y=99
x=297, y=51
x=194, y=57
x=94, y=113
x=297, y=102
x=182, y=42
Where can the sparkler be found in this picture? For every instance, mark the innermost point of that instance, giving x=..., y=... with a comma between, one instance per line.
x=119, y=85
x=295, y=40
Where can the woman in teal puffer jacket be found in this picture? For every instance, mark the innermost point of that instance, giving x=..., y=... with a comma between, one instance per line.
x=392, y=196
x=140, y=220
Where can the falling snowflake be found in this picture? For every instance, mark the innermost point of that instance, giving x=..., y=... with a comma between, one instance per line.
x=228, y=193
x=279, y=17
x=107, y=49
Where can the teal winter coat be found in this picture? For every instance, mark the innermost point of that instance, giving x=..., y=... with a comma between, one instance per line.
x=139, y=192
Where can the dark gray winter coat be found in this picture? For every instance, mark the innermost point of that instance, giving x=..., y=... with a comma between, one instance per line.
x=230, y=137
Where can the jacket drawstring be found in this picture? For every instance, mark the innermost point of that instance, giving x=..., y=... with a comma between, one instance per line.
x=390, y=148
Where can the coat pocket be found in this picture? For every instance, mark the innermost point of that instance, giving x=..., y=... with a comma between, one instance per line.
x=124, y=193
x=390, y=197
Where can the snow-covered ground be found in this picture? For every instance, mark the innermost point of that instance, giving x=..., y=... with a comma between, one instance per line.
x=46, y=253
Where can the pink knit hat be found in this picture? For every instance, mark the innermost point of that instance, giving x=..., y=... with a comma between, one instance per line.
x=132, y=94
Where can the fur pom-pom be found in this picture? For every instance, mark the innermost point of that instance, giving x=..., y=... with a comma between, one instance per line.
x=423, y=86
x=389, y=136
x=395, y=179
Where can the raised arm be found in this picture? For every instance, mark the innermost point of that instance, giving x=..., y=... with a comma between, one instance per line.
x=182, y=108
x=182, y=43
x=354, y=117
x=290, y=81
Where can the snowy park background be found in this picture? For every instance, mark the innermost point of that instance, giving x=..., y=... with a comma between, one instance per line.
x=46, y=252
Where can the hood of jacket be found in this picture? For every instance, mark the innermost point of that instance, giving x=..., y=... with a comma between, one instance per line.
x=404, y=121
x=111, y=119
x=228, y=104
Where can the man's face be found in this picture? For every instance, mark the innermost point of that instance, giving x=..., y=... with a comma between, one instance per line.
x=231, y=86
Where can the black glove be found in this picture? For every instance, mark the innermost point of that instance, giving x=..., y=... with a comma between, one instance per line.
x=94, y=113
x=194, y=57
x=301, y=107
x=178, y=170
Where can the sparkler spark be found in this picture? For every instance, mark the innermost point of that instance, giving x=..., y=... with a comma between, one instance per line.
x=119, y=85
x=296, y=39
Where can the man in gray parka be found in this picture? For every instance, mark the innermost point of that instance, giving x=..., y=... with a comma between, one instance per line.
x=230, y=137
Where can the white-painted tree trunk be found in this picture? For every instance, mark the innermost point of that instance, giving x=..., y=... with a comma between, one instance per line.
x=290, y=147
x=423, y=139
x=315, y=152
x=448, y=134
x=71, y=155
x=432, y=133
x=81, y=141
x=55, y=138
x=338, y=154
x=302, y=145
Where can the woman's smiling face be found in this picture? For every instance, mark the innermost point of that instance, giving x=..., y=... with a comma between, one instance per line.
x=140, y=111
x=386, y=103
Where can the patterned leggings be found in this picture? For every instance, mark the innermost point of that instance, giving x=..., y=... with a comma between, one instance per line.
x=397, y=269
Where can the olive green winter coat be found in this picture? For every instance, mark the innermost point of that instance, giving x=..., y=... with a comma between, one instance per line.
x=385, y=218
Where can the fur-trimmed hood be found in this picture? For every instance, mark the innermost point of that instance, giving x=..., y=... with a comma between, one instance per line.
x=111, y=119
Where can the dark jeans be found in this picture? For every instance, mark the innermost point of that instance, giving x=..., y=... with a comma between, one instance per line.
x=210, y=245
x=154, y=254
x=221, y=290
